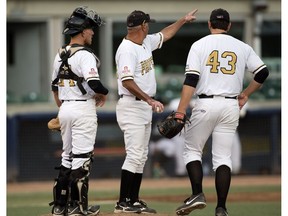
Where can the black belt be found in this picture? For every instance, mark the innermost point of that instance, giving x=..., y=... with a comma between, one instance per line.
x=73, y=100
x=211, y=96
x=85, y=155
x=136, y=98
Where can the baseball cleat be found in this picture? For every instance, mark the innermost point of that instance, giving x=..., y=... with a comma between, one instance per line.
x=221, y=212
x=58, y=210
x=144, y=208
x=193, y=202
x=75, y=211
x=93, y=210
x=126, y=207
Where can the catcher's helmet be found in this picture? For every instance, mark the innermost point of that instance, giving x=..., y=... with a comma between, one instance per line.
x=80, y=19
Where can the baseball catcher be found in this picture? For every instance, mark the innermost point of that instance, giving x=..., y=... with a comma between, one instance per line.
x=172, y=124
x=77, y=91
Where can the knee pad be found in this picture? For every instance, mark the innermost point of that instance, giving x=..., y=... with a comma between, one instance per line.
x=79, y=183
x=61, y=187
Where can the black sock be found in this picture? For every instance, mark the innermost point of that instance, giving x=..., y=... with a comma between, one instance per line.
x=195, y=173
x=222, y=183
x=127, y=179
x=134, y=193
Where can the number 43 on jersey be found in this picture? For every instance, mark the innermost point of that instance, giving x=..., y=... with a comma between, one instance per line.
x=215, y=58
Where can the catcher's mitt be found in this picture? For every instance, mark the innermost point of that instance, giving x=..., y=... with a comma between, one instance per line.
x=172, y=124
x=54, y=124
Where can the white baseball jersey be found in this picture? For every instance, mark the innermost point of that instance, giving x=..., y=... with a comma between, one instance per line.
x=220, y=61
x=77, y=113
x=84, y=64
x=218, y=58
x=135, y=62
x=134, y=116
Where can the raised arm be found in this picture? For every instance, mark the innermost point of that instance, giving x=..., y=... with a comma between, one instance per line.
x=169, y=31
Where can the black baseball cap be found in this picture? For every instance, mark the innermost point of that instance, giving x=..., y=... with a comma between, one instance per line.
x=137, y=18
x=220, y=14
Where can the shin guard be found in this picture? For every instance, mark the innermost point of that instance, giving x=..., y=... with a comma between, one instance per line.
x=80, y=185
x=61, y=187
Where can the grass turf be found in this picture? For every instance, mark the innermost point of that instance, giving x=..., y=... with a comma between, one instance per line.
x=36, y=204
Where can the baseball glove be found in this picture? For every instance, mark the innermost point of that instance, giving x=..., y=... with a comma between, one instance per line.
x=172, y=124
x=54, y=124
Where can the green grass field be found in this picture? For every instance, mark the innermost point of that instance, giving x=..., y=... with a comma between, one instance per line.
x=36, y=204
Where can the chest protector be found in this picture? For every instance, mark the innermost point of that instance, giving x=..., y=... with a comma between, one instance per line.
x=65, y=71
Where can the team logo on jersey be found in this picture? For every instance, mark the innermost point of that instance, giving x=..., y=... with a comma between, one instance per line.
x=147, y=65
x=126, y=70
x=92, y=72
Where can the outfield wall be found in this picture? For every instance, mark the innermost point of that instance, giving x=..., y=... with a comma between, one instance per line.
x=33, y=150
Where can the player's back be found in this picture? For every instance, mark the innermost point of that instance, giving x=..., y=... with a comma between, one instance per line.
x=221, y=61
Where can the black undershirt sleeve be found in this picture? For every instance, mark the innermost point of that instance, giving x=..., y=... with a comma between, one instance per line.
x=54, y=88
x=191, y=80
x=97, y=87
x=261, y=76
